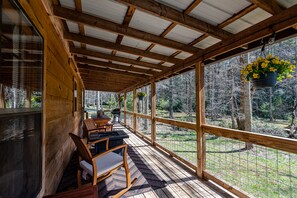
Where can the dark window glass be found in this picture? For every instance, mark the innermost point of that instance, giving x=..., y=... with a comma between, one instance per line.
x=21, y=69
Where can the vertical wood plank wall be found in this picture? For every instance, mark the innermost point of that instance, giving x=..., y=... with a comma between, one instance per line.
x=58, y=118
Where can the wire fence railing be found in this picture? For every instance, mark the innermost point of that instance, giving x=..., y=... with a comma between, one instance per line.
x=180, y=141
x=257, y=170
x=144, y=126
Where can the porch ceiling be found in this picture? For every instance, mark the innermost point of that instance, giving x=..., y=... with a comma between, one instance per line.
x=122, y=43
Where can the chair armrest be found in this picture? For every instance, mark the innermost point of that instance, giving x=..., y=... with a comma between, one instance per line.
x=124, y=146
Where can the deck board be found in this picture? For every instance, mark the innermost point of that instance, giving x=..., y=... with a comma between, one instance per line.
x=180, y=182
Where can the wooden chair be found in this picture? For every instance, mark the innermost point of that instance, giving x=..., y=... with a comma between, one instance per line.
x=102, y=165
x=91, y=127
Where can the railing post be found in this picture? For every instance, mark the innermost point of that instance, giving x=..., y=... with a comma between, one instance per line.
x=134, y=109
x=153, y=113
x=125, y=108
x=200, y=119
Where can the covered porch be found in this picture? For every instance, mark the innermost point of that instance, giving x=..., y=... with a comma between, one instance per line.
x=194, y=128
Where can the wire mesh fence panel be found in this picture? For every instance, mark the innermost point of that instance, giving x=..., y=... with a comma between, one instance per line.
x=122, y=117
x=144, y=126
x=257, y=170
x=129, y=120
x=178, y=140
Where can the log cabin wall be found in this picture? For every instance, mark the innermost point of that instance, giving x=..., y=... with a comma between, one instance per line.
x=58, y=116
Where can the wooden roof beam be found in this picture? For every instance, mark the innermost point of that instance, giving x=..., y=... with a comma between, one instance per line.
x=173, y=15
x=96, y=69
x=113, y=65
x=105, y=44
x=68, y=14
x=270, y=6
x=90, y=53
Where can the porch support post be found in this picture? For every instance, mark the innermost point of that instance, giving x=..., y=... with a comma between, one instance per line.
x=125, y=108
x=200, y=119
x=134, y=109
x=153, y=113
x=28, y=97
x=2, y=99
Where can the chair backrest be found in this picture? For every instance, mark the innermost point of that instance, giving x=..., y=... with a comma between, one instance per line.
x=82, y=148
x=90, y=124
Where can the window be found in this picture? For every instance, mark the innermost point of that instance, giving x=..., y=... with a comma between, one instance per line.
x=21, y=74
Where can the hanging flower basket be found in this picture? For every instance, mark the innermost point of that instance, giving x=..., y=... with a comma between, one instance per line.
x=141, y=95
x=266, y=71
x=265, y=80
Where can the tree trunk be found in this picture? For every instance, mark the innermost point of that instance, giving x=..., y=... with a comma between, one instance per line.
x=170, y=99
x=270, y=105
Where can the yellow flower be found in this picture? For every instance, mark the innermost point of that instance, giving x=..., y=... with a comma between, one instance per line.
x=272, y=69
x=275, y=61
x=256, y=76
x=289, y=76
x=250, y=67
x=269, y=56
x=245, y=72
x=266, y=61
x=264, y=65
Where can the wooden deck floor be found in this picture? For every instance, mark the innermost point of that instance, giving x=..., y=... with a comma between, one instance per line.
x=180, y=182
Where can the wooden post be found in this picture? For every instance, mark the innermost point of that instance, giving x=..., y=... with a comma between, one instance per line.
x=125, y=108
x=2, y=99
x=119, y=102
x=200, y=119
x=134, y=109
x=153, y=113
x=28, y=97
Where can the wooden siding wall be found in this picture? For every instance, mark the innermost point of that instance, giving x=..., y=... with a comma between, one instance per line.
x=58, y=118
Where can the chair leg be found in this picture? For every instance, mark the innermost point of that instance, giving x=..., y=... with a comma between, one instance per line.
x=78, y=177
x=127, y=171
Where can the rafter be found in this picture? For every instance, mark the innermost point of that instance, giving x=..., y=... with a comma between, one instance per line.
x=90, y=53
x=105, y=44
x=108, y=70
x=173, y=15
x=113, y=65
x=68, y=14
x=270, y=6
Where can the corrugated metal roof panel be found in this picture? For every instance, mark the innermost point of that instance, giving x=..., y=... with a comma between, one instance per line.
x=67, y=4
x=136, y=43
x=183, y=55
x=150, y=60
x=98, y=49
x=72, y=27
x=105, y=9
x=182, y=34
x=207, y=42
x=148, y=23
x=120, y=63
x=215, y=12
x=100, y=34
x=287, y=3
x=163, y=50
x=167, y=64
x=126, y=55
x=247, y=20
x=176, y=4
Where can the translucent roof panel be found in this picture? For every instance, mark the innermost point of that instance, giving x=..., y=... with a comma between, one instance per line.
x=126, y=55
x=100, y=34
x=163, y=50
x=120, y=63
x=183, y=34
x=99, y=49
x=287, y=3
x=183, y=55
x=215, y=12
x=247, y=20
x=136, y=43
x=167, y=64
x=72, y=27
x=99, y=59
x=148, y=23
x=150, y=60
x=67, y=4
x=105, y=9
x=207, y=42
x=177, y=4
x=76, y=44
